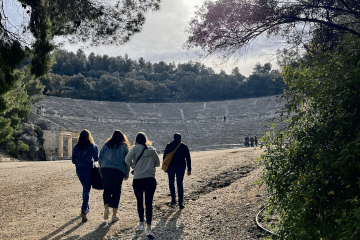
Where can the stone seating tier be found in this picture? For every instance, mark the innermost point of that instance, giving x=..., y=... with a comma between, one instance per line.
x=200, y=123
x=169, y=110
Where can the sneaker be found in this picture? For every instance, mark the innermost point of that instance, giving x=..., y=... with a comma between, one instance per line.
x=181, y=206
x=106, y=214
x=173, y=202
x=141, y=226
x=83, y=216
x=114, y=218
x=149, y=233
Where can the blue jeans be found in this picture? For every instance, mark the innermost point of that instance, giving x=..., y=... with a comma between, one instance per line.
x=179, y=172
x=84, y=175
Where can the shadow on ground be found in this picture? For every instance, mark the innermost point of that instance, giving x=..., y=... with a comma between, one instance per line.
x=60, y=229
x=166, y=228
x=98, y=233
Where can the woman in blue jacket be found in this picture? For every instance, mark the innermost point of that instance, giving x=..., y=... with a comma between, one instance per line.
x=84, y=153
x=113, y=170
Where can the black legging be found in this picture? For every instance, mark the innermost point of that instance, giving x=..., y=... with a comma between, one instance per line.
x=147, y=185
x=112, y=181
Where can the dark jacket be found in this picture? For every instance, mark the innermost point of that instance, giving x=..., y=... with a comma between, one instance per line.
x=181, y=157
x=83, y=158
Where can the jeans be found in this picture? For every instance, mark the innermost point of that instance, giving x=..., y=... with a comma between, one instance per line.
x=84, y=175
x=179, y=172
x=112, y=181
x=147, y=185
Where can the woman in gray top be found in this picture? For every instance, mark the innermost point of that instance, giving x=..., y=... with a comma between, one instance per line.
x=143, y=159
x=113, y=170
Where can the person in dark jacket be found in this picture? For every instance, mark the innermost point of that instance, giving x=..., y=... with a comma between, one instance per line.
x=113, y=170
x=84, y=153
x=177, y=167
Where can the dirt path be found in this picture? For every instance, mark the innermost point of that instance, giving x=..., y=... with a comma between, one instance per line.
x=41, y=200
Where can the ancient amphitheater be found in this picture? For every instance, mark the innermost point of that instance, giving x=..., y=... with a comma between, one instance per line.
x=203, y=125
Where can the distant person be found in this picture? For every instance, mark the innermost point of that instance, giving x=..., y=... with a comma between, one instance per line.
x=252, y=141
x=256, y=141
x=246, y=141
x=84, y=153
x=113, y=171
x=144, y=159
x=177, y=168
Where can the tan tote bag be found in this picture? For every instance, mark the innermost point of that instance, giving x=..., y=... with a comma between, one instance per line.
x=168, y=159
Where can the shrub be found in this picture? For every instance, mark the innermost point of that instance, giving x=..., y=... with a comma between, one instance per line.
x=312, y=165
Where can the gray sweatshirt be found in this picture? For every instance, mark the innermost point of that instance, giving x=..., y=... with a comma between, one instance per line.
x=114, y=158
x=145, y=167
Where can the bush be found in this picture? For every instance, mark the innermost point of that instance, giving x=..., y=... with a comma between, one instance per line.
x=12, y=149
x=22, y=147
x=312, y=165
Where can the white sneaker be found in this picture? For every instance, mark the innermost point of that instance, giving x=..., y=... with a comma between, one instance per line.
x=114, y=218
x=149, y=233
x=141, y=226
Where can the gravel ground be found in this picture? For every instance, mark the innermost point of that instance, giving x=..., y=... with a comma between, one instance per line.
x=41, y=200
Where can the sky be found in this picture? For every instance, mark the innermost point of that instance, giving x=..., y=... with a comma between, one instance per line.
x=163, y=36
x=162, y=39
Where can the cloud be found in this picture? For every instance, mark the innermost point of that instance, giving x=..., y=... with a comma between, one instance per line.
x=163, y=35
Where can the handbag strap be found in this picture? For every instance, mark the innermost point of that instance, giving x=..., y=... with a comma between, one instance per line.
x=177, y=147
x=140, y=155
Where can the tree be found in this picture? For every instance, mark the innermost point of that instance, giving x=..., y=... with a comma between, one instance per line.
x=78, y=82
x=19, y=100
x=92, y=22
x=227, y=27
x=312, y=165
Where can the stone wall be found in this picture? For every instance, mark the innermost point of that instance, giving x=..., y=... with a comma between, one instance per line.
x=51, y=143
x=54, y=136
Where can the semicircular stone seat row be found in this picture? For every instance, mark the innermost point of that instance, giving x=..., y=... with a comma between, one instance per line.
x=203, y=125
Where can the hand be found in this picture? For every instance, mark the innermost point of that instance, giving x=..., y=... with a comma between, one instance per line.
x=126, y=179
x=189, y=173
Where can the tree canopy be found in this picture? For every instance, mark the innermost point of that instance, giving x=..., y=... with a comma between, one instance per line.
x=227, y=27
x=121, y=78
x=92, y=22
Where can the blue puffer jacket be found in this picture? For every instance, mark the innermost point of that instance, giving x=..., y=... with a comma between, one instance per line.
x=83, y=158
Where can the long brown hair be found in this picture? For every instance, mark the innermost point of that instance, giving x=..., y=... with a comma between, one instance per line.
x=85, y=139
x=117, y=139
x=142, y=139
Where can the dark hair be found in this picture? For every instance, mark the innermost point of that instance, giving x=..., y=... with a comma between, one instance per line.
x=142, y=139
x=177, y=137
x=117, y=139
x=85, y=139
